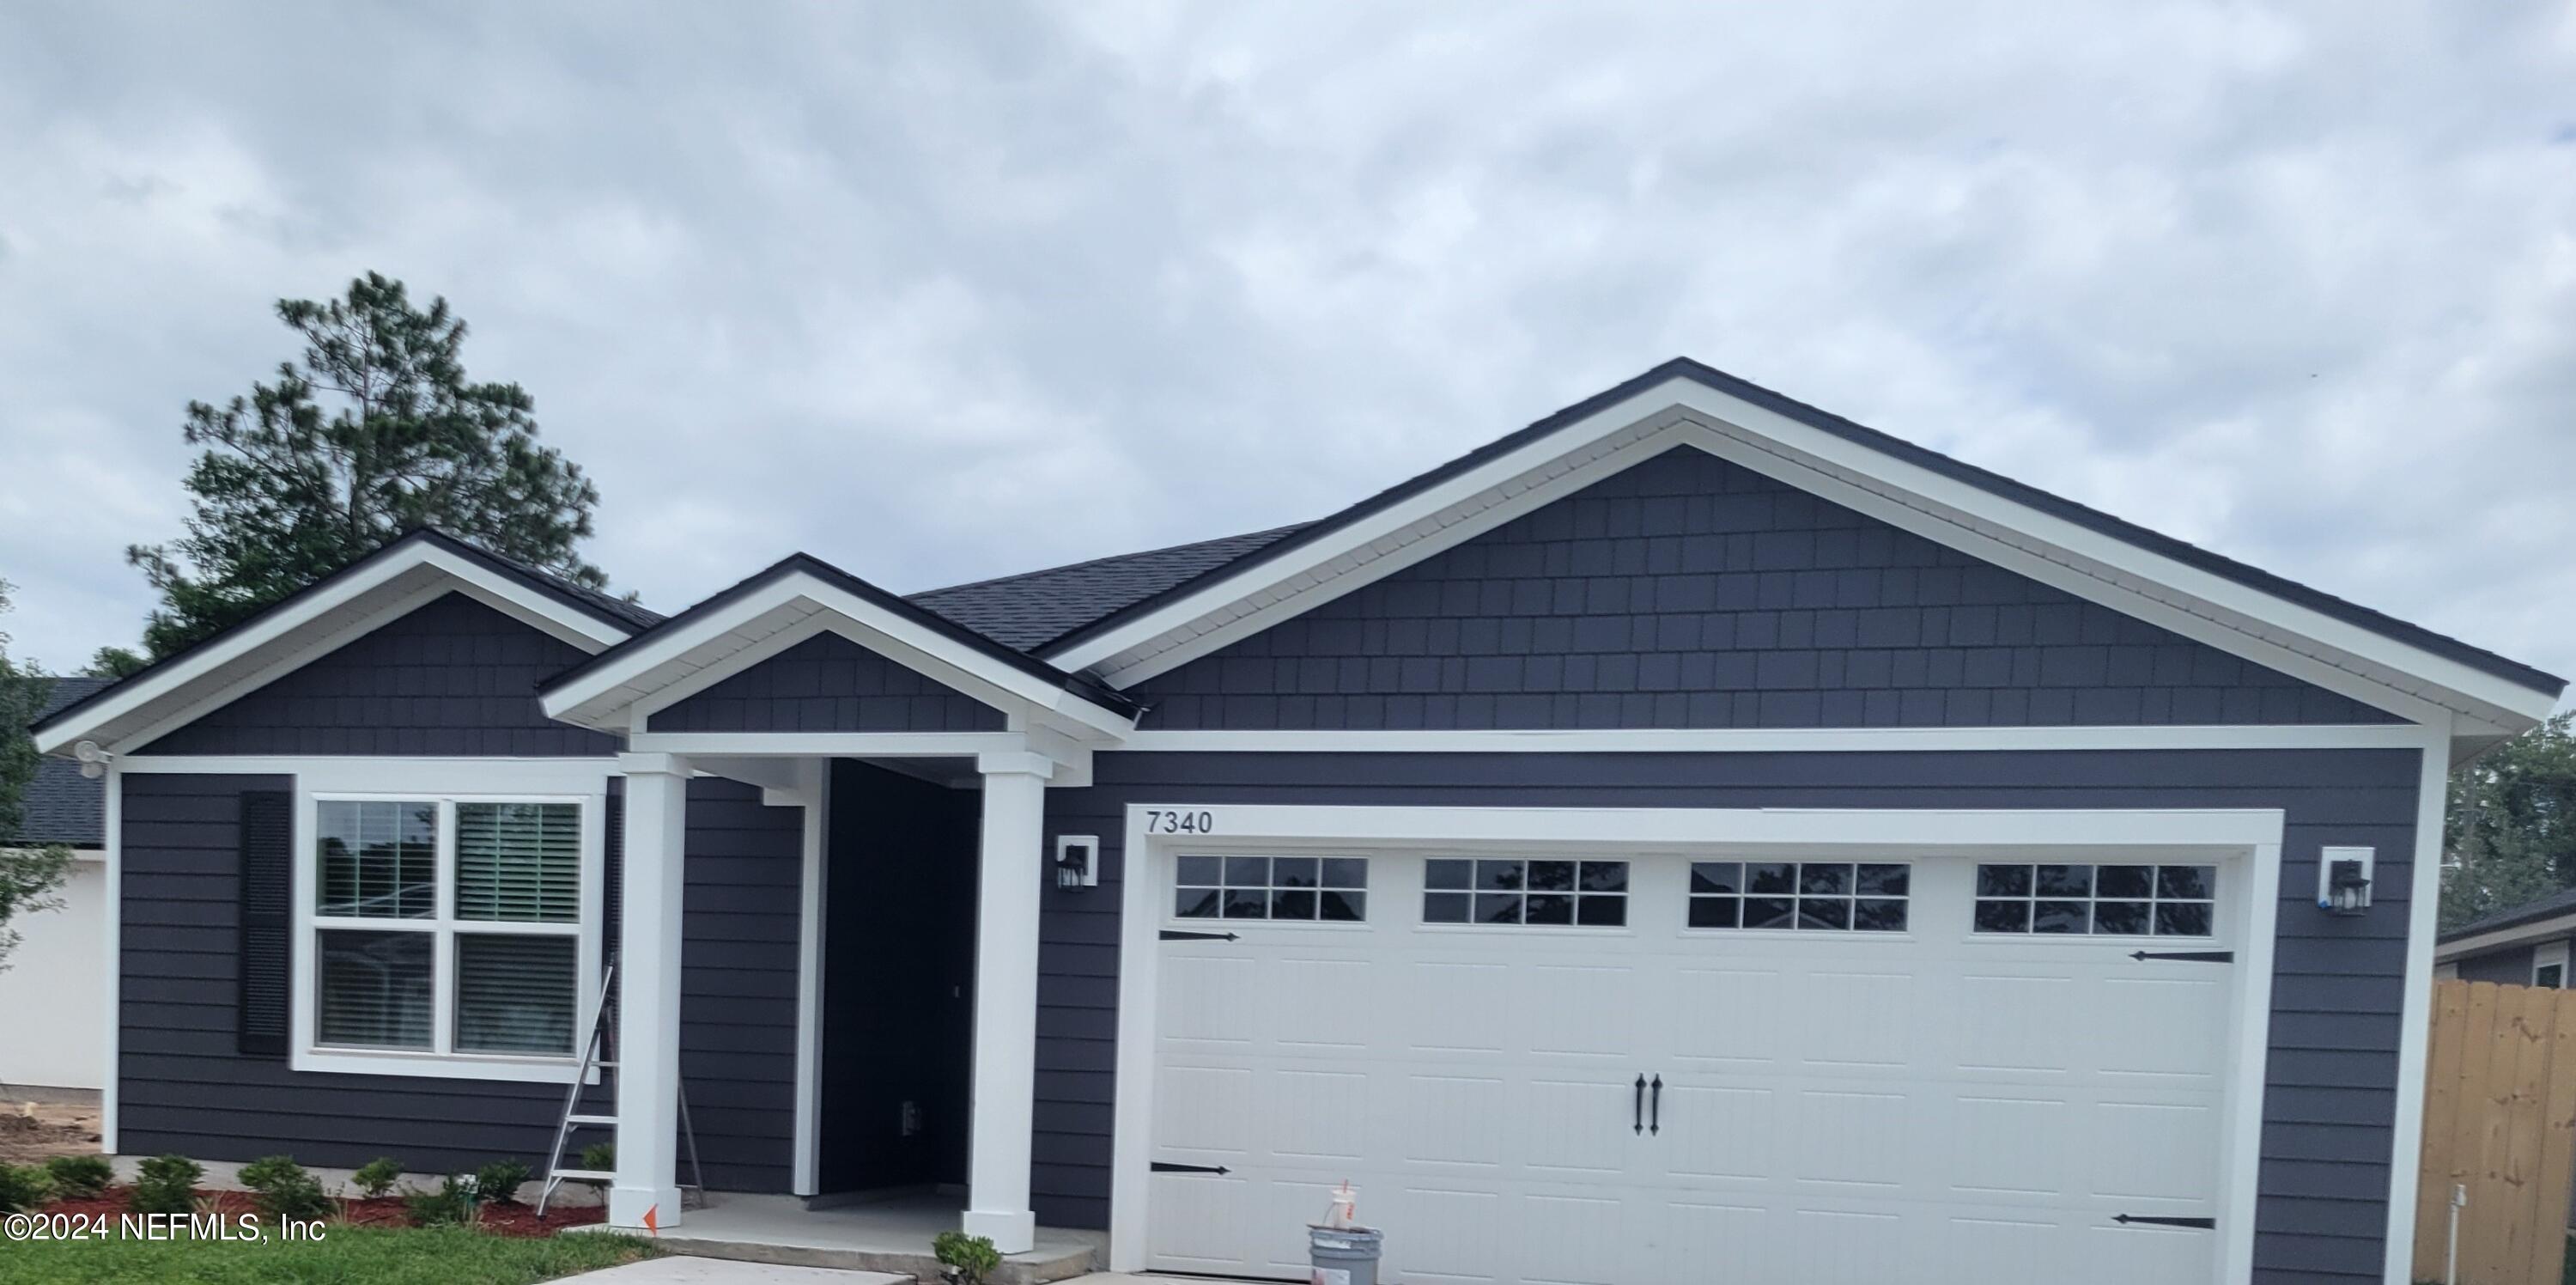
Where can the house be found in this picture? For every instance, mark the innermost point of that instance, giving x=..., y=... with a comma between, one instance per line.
x=53, y=986
x=2523, y=946
x=1694, y=831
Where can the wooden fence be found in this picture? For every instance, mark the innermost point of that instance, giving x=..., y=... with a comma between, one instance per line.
x=2500, y=1119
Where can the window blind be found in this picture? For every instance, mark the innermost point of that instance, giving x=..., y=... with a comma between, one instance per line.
x=374, y=989
x=518, y=862
x=516, y=993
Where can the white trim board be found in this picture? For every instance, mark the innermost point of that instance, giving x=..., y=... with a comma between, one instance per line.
x=2305, y=643
x=2415, y=1023
x=2249, y=837
x=2520, y=934
x=1781, y=740
x=328, y=617
x=687, y=658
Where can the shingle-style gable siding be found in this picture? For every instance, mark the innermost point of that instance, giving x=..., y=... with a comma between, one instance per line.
x=451, y=677
x=183, y=1087
x=2338, y=989
x=1690, y=592
x=827, y=683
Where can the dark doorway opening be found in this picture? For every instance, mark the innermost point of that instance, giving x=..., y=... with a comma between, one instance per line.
x=898, y=982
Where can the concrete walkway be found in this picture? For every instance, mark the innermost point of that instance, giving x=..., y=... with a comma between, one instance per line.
x=681, y=1270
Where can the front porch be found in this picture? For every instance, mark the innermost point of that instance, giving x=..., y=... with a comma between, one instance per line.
x=882, y=1236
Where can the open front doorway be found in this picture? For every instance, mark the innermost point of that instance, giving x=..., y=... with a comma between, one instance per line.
x=898, y=993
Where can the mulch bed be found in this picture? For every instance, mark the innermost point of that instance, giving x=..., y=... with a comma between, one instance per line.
x=388, y=1211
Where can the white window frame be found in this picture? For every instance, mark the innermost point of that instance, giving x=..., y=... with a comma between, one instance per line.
x=442, y=1060
x=2547, y=955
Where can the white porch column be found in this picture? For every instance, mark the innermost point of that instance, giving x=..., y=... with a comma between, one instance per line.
x=648, y=989
x=1006, y=998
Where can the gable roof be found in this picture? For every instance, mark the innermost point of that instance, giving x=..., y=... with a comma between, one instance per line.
x=61, y=805
x=1291, y=540
x=1035, y=608
x=412, y=560
x=739, y=621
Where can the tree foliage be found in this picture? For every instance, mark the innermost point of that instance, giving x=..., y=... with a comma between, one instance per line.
x=2511, y=826
x=112, y=662
x=29, y=876
x=376, y=432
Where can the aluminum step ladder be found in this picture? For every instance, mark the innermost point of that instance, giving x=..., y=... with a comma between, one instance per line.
x=599, y=1053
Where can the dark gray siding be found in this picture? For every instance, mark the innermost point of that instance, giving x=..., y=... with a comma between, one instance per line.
x=828, y=684
x=742, y=916
x=2337, y=991
x=183, y=1088
x=452, y=677
x=2510, y=965
x=1691, y=592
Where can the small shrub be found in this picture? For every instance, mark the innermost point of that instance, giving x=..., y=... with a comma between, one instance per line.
x=166, y=1185
x=964, y=1259
x=23, y=1189
x=375, y=1179
x=499, y=1181
x=453, y=1204
x=283, y=1189
x=80, y=1177
x=601, y=1156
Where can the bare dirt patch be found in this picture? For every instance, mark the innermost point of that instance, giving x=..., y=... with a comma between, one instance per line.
x=33, y=1132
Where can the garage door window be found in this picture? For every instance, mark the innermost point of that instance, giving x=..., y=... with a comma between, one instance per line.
x=1589, y=894
x=2125, y=901
x=1832, y=896
x=1310, y=889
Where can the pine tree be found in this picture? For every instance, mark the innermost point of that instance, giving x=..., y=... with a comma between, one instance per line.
x=377, y=432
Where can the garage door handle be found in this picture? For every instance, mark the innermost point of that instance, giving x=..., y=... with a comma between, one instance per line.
x=1656, y=1125
x=1640, y=1107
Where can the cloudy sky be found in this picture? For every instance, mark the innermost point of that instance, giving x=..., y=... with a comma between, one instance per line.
x=942, y=292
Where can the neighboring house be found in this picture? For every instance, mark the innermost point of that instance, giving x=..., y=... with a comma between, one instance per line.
x=2523, y=946
x=1692, y=835
x=53, y=987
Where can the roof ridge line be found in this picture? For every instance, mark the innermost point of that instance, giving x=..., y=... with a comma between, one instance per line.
x=1273, y=532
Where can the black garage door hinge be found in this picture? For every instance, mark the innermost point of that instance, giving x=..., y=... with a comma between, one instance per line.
x=1175, y=934
x=2190, y=956
x=2204, y=1224
x=1165, y=1166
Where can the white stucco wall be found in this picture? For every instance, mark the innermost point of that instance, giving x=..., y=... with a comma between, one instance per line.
x=52, y=989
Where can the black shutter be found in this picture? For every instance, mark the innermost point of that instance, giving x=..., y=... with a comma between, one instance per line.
x=267, y=920
x=612, y=911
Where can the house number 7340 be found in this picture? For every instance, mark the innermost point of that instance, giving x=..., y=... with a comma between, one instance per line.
x=1159, y=821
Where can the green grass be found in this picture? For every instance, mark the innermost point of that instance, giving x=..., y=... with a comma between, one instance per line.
x=344, y=1256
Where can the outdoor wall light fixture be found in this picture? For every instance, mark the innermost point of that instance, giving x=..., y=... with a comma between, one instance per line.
x=1077, y=861
x=2343, y=880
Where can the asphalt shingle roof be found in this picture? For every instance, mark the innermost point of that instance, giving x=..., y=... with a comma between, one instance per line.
x=2555, y=904
x=62, y=806
x=1034, y=608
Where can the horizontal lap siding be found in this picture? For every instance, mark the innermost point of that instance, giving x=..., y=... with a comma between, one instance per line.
x=2510, y=965
x=2337, y=987
x=183, y=1088
x=742, y=914
x=453, y=677
x=827, y=683
x=1691, y=592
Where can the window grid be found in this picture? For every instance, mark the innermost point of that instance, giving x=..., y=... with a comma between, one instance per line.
x=387, y=975
x=1511, y=891
x=1291, y=889
x=1830, y=896
x=2042, y=899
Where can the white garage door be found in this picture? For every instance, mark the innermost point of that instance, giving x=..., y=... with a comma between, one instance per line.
x=1937, y=1071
